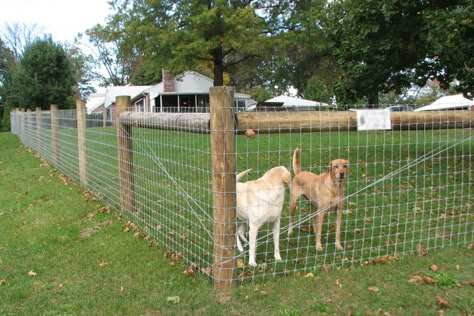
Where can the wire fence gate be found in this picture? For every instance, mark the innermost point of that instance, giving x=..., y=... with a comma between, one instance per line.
x=408, y=191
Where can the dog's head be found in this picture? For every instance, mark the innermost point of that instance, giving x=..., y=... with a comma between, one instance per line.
x=339, y=169
x=282, y=174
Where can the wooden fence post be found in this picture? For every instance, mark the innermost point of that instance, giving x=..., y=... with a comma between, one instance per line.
x=38, y=128
x=125, y=157
x=54, y=134
x=104, y=118
x=81, y=141
x=22, y=123
x=223, y=183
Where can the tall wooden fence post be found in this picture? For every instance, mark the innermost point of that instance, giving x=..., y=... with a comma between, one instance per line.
x=38, y=129
x=125, y=157
x=22, y=124
x=81, y=141
x=54, y=134
x=223, y=183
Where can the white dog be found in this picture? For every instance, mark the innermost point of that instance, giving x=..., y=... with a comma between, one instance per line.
x=258, y=202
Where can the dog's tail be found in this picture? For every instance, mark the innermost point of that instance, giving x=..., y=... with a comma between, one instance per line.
x=296, y=162
x=242, y=174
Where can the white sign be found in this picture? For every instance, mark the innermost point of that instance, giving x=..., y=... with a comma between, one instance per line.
x=370, y=120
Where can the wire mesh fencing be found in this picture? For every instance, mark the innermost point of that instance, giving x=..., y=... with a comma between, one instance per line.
x=408, y=189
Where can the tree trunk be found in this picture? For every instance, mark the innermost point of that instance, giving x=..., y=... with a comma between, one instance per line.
x=373, y=99
x=217, y=59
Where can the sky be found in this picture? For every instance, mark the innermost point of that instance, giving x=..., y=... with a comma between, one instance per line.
x=63, y=19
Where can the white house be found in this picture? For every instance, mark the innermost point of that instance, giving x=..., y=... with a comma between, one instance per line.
x=188, y=92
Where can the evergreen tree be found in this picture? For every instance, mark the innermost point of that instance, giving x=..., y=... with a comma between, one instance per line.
x=43, y=77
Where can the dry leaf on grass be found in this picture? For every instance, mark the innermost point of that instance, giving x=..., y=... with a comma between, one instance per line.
x=442, y=302
x=31, y=273
x=2, y=282
x=434, y=268
x=373, y=289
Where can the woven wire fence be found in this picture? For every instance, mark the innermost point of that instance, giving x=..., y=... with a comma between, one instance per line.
x=409, y=189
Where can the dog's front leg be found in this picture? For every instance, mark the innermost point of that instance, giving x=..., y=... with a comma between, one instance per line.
x=253, y=232
x=338, y=226
x=276, y=240
x=318, y=227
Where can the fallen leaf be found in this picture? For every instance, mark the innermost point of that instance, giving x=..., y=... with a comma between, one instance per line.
x=122, y=289
x=458, y=268
x=102, y=264
x=373, y=289
x=31, y=273
x=429, y=280
x=240, y=263
x=442, y=302
x=2, y=282
x=434, y=268
x=415, y=279
x=421, y=251
x=309, y=275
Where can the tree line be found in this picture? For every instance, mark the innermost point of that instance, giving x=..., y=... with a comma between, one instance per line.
x=356, y=51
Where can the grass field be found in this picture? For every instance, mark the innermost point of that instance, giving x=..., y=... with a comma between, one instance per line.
x=62, y=252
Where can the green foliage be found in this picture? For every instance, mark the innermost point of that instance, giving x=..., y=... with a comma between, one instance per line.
x=44, y=76
x=185, y=35
x=386, y=45
x=443, y=279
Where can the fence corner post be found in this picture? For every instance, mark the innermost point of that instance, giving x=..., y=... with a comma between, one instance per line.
x=125, y=156
x=223, y=183
x=81, y=141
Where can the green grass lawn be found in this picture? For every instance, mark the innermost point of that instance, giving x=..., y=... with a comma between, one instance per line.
x=62, y=252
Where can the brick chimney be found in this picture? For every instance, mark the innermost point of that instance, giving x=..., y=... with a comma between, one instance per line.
x=168, y=81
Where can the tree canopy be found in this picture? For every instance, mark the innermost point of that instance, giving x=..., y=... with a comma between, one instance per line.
x=44, y=76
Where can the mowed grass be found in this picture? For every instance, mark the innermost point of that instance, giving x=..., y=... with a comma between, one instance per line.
x=64, y=253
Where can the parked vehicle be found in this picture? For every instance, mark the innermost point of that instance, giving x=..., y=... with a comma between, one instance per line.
x=400, y=108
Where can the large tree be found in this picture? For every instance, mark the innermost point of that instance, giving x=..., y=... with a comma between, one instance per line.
x=43, y=77
x=183, y=35
x=385, y=45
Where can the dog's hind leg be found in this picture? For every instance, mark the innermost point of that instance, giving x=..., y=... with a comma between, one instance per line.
x=253, y=233
x=241, y=236
x=276, y=239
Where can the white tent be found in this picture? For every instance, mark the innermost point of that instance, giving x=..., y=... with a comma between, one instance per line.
x=291, y=102
x=450, y=102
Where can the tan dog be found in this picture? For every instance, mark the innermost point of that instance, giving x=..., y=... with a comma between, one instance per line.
x=325, y=193
x=258, y=202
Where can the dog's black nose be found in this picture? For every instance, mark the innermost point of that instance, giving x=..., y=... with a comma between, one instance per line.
x=341, y=175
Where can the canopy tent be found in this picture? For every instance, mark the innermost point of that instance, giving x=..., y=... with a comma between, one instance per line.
x=450, y=102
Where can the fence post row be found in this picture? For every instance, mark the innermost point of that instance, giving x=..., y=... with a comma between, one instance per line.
x=223, y=183
x=125, y=157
